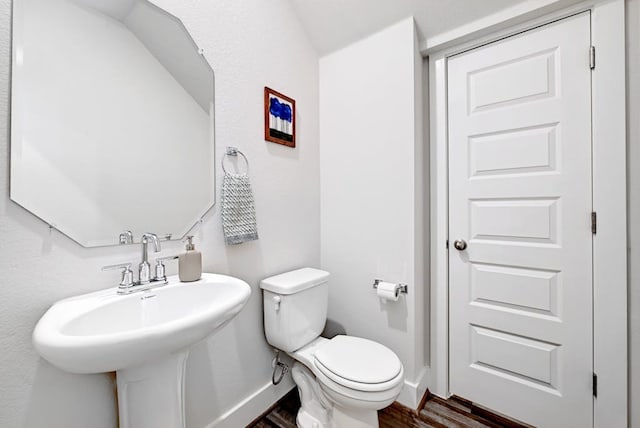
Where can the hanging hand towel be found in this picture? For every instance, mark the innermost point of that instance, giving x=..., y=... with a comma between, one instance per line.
x=238, y=211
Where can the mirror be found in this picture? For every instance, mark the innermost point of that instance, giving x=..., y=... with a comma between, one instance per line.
x=111, y=119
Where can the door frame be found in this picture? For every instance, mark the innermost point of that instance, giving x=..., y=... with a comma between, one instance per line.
x=610, y=352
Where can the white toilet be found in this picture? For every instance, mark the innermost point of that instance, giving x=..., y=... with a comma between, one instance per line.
x=343, y=381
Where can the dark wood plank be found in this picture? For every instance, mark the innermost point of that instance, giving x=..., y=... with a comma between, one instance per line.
x=281, y=419
x=450, y=416
x=398, y=415
x=500, y=420
x=434, y=412
x=263, y=424
x=284, y=411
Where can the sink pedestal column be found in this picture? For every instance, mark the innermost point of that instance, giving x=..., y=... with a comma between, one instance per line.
x=152, y=395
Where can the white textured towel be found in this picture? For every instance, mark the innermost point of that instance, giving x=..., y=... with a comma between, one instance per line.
x=238, y=210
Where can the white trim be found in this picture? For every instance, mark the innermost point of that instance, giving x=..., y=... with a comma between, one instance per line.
x=609, y=175
x=518, y=13
x=610, y=203
x=503, y=24
x=439, y=227
x=412, y=392
x=253, y=406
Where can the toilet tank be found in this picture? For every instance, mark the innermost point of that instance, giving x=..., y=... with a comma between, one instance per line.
x=295, y=307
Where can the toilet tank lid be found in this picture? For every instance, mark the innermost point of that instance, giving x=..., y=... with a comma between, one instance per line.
x=294, y=281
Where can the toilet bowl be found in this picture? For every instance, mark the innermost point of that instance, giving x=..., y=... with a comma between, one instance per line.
x=342, y=381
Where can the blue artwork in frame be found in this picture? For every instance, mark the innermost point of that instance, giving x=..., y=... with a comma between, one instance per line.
x=279, y=118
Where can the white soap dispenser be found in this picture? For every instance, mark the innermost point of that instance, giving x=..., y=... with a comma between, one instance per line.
x=190, y=263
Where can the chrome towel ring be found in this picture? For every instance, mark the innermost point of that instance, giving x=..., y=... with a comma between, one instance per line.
x=233, y=151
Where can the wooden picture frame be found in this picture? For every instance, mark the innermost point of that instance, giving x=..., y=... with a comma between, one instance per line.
x=279, y=118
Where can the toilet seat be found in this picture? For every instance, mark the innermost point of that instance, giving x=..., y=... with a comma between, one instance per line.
x=321, y=355
x=358, y=364
x=356, y=397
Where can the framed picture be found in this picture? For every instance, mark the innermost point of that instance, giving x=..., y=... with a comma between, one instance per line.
x=279, y=118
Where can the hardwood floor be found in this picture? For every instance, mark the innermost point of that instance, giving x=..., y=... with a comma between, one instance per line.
x=282, y=415
x=436, y=412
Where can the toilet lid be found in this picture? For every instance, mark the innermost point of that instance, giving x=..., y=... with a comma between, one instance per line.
x=358, y=360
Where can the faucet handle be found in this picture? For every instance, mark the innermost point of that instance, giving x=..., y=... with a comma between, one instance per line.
x=126, y=280
x=160, y=268
x=125, y=237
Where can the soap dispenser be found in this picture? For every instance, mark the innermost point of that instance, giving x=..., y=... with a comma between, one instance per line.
x=190, y=263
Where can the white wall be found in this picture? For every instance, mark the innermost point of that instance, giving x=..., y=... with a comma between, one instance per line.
x=371, y=192
x=250, y=44
x=633, y=165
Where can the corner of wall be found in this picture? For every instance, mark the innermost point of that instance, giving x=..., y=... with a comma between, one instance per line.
x=421, y=213
x=357, y=242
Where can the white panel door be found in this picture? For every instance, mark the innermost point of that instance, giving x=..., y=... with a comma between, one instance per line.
x=520, y=197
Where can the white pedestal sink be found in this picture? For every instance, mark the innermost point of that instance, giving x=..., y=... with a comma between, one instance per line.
x=144, y=337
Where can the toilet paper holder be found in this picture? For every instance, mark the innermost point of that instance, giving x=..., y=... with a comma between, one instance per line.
x=402, y=288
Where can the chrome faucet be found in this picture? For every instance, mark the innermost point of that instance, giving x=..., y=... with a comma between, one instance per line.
x=144, y=268
x=145, y=282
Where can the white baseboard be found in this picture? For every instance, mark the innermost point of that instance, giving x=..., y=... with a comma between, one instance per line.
x=413, y=391
x=253, y=406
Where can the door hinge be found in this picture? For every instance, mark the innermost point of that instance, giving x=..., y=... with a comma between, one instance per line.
x=447, y=244
x=592, y=57
x=594, y=222
x=595, y=385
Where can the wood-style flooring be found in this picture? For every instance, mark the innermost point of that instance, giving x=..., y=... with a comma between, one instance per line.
x=436, y=413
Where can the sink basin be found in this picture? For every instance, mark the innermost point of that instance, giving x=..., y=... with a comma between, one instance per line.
x=105, y=331
x=143, y=336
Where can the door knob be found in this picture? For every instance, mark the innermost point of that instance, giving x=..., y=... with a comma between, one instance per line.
x=460, y=244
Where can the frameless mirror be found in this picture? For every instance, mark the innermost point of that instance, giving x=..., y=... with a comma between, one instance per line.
x=112, y=119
